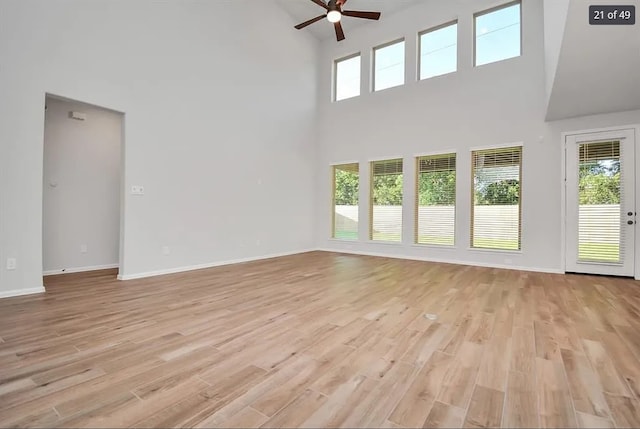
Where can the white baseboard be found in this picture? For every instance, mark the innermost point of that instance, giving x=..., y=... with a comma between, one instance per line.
x=79, y=269
x=208, y=265
x=445, y=261
x=20, y=292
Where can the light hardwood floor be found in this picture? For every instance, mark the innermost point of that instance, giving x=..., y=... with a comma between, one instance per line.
x=323, y=339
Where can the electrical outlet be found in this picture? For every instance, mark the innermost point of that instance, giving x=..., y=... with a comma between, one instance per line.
x=83, y=248
x=508, y=261
x=166, y=250
x=11, y=264
x=137, y=190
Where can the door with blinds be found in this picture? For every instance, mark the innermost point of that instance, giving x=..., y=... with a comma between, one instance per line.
x=600, y=212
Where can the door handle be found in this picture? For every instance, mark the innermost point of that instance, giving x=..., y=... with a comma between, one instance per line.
x=630, y=222
x=630, y=213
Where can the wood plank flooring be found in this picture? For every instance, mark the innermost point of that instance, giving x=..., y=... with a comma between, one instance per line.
x=323, y=340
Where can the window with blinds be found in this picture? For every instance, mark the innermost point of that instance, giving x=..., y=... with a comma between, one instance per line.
x=600, y=191
x=436, y=199
x=497, y=195
x=345, y=201
x=385, y=207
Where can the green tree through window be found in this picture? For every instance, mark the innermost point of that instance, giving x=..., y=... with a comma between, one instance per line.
x=346, y=188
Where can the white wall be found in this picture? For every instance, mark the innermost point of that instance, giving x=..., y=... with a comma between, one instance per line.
x=219, y=99
x=496, y=104
x=555, y=20
x=81, y=200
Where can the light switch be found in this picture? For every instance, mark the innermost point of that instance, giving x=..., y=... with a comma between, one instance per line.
x=11, y=264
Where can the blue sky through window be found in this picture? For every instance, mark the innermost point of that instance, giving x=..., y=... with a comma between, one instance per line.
x=348, y=78
x=498, y=35
x=389, y=62
x=439, y=51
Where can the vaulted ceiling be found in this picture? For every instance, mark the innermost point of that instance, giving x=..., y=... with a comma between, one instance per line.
x=598, y=68
x=591, y=70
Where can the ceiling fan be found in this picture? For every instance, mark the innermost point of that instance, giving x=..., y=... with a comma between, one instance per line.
x=334, y=15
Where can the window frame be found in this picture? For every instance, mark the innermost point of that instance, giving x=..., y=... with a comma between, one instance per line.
x=373, y=63
x=518, y=145
x=430, y=30
x=333, y=200
x=417, y=199
x=475, y=37
x=334, y=91
x=370, y=211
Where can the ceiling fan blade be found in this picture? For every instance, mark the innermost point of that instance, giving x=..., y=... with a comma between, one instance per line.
x=339, y=32
x=309, y=22
x=321, y=4
x=360, y=14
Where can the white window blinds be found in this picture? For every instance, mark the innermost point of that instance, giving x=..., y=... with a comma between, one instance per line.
x=436, y=199
x=345, y=201
x=599, y=212
x=385, y=209
x=496, y=208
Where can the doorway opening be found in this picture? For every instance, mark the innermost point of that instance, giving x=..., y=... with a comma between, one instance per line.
x=600, y=222
x=82, y=187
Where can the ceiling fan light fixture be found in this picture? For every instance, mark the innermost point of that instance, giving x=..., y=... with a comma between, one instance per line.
x=334, y=16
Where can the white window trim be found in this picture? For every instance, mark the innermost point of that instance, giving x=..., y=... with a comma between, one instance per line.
x=419, y=45
x=435, y=246
x=497, y=146
x=388, y=158
x=496, y=8
x=334, y=76
x=437, y=152
x=333, y=193
x=370, y=199
x=481, y=249
x=500, y=146
x=386, y=243
x=373, y=63
x=333, y=164
x=455, y=218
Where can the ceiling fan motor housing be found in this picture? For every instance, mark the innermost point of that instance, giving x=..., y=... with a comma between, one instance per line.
x=334, y=15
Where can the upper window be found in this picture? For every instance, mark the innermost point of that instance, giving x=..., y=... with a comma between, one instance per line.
x=497, y=34
x=438, y=51
x=436, y=199
x=388, y=65
x=496, y=209
x=345, y=201
x=347, y=78
x=386, y=200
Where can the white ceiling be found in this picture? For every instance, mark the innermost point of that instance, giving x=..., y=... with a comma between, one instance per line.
x=303, y=10
x=598, y=68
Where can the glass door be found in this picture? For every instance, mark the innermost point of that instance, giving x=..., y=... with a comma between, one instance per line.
x=601, y=214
